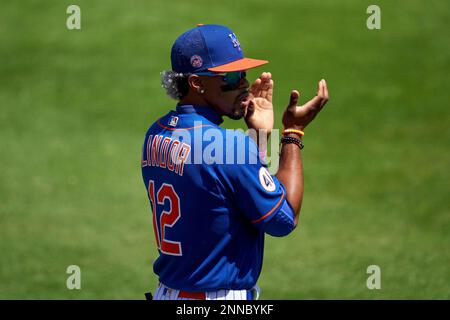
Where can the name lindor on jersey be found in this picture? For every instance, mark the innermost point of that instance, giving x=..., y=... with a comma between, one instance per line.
x=165, y=152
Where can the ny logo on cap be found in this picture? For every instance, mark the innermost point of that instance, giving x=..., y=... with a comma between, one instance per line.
x=235, y=41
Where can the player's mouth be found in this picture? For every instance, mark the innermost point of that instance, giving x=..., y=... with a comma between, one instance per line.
x=243, y=95
x=240, y=105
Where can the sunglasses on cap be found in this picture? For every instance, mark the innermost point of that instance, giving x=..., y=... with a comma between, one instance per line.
x=232, y=79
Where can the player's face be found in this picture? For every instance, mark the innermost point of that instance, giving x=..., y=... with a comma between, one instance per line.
x=225, y=98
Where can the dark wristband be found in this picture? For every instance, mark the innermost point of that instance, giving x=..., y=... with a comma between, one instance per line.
x=296, y=141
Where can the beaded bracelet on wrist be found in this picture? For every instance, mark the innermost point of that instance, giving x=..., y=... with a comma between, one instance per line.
x=296, y=141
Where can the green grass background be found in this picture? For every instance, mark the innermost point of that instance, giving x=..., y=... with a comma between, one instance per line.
x=75, y=106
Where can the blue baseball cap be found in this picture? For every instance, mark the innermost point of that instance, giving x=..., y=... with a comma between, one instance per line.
x=210, y=47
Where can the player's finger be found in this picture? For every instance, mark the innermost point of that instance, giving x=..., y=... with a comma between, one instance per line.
x=325, y=89
x=320, y=92
x=255, y=88
x=293, y=100
x=265, y=85
x=317, y=104
x=313, y=105
x=250, y=109
x=245, y=103
x=270, y=91
x=324, y=93
x=265, y=77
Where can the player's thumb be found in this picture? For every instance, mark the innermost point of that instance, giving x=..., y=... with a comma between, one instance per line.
x=250, y=108
x=293, y=100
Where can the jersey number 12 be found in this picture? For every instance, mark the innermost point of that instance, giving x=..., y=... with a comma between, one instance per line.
x=167, y=219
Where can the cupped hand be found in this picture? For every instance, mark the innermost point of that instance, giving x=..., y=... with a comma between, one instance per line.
x=298, y=117
x=259, y=105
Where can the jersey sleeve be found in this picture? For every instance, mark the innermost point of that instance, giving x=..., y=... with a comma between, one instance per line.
x=258, y=195
x=280, y=223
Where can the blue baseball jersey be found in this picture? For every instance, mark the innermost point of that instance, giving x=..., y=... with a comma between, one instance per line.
x=212, y=202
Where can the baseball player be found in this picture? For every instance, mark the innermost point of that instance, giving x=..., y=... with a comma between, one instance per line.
x=212, y=197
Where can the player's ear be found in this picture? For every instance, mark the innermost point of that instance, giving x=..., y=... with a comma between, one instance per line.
x=195, y=82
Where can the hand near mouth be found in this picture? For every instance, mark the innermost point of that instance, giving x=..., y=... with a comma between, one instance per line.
x=259, y=113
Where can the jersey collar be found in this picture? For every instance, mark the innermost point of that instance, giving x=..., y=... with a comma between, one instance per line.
x=207, y=112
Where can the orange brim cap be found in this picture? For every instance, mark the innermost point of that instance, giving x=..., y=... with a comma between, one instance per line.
x=239, y=65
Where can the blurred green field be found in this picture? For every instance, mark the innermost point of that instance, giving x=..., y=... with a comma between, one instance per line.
x=75, y=106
